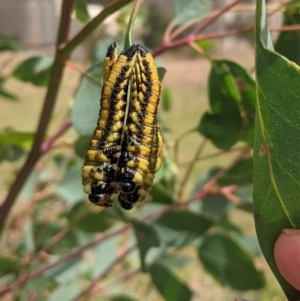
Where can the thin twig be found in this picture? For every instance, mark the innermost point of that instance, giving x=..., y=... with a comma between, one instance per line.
x=46, y=145
x=193, y=36
x=72, y=254
x=124, y=277
x=89, y=291
x=63, y=51
x=190, y=168
x=45, y=117
x=210, y=156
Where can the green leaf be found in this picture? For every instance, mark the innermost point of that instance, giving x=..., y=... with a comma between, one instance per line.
x=81, y=11
x=178, y=228
x=105, y=255
x=166, y=99
x=288, y=42
x=185, y=221
x=164, y=183
x=187, y=10
x=8, y=43
x=65, y=271
x=85, y=110
x=216, y=206
x=35, y=70
x=81, y=146
x=39, y=286
x=169, y=286
x=175, y=260
x=228, y=263
x=90, y=221
x=8, y=264
x=232, y=103
x=240, y=174
x=122, y=298
x=66, y=292
x=276, y=149
x=43, y=232
x=16, y=137
x=146, y=237
x=161, y=72
x=10, y=152
x=7, y=95
x=70, y=187
x=160, y=195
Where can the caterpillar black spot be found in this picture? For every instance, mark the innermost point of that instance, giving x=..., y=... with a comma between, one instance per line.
x=142, y=148
x=100, y=167
x=125, y=152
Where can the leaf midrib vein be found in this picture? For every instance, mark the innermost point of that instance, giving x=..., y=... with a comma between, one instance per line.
x=273, y=181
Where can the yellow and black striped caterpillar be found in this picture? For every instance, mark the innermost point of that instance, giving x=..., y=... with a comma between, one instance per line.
x=125, y=151
x=142, y=147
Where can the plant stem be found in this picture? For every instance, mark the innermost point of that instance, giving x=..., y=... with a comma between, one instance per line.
x=72, y=254
x=190, y=168
x=193, y=36
x=89, y=291
x=49, y=102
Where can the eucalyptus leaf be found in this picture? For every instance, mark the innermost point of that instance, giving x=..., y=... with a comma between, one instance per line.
x=66, y=292
x=240, y=174
x=81, y=10
x=147, y=238
x=85, y=110
x=166, y=99
x=105, y=254
x=8, y=263
x=187, y=10
x=10, y=152
x=276, y=149
x=35, y=70
x=81, y=146
x=89, y=221
x=168, y=285
x=232, y=106
x=70, y=187
x=16, y=137
x=122, y=298
x=229, y=263
x=6, y=94
x=9, y=43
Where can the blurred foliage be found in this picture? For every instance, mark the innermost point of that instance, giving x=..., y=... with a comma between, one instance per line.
x=57, y=247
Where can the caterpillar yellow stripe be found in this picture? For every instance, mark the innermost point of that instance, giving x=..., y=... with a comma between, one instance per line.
x=141, y=154
x=100, y=167
x=125, y=152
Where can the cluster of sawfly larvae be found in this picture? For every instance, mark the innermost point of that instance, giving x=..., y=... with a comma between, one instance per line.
x=126, y=149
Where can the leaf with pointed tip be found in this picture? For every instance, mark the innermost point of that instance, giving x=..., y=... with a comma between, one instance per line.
x=8, y=43
x=146, y=237
x=232, y=106
x=229, y=263
x=85, y=111
x=169, y=286
x=8, y=263
x=276, y=148
x=81, y=11
x=187, y=10
x=35, y=70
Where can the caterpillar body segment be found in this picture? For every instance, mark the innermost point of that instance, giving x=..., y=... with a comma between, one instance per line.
x=110, y=59
x=100, y=166
x=140, y=151
x=125, y=152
